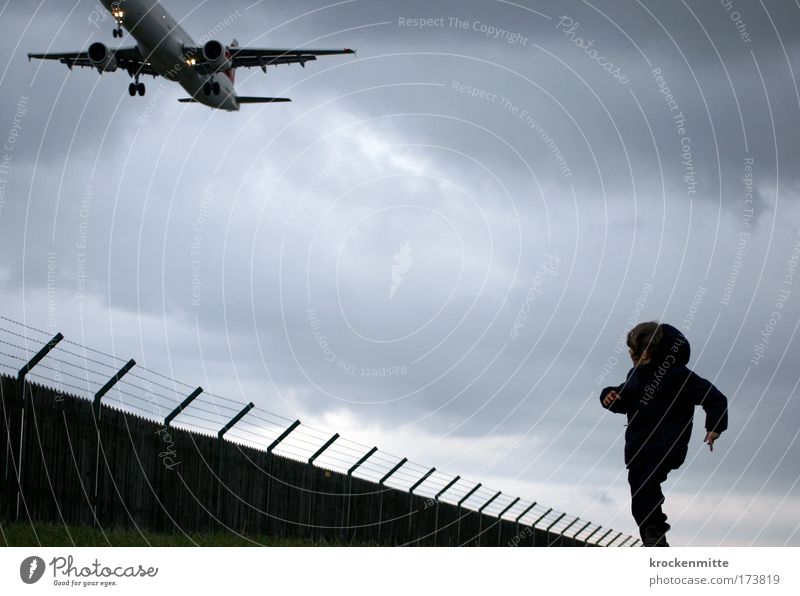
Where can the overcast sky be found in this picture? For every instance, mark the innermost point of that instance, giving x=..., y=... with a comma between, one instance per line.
x=437, y=246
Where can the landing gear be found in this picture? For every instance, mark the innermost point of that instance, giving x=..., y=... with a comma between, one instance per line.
x=206, y=88
x=215, y=88
x=136, y=87
x=118, y=15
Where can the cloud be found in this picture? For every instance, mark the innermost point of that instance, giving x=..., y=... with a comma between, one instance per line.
x=198, y=242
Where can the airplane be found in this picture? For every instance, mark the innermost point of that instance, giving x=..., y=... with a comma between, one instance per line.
x=164, y=49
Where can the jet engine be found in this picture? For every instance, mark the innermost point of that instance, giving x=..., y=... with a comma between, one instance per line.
x=102, y=58
x=215, y=54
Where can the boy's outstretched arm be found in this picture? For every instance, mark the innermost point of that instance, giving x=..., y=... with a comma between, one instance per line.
x=715, y=404
x=611, y=400
x=710, y=438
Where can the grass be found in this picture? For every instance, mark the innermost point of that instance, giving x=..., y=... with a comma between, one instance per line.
x=51, y=535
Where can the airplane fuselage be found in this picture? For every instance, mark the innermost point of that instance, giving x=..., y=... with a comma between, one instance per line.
x=161, y=41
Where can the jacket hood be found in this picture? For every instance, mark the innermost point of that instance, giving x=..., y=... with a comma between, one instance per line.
x=674, y=342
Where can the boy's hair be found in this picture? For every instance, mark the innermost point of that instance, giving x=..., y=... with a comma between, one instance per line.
x=645, y=337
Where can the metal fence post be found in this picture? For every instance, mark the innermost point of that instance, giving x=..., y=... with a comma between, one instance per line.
x=576, y=534
x=97, y=411
x=159, y=481
x=282, y=436
x=436, y=510
x=380, y=498
x=411, y=498
x=480, y=515
x=220, y=446
x=270, y=448
x=461, y=502
x=184, y=404
x=16, y=462
x=595, y=531
x=319, y=451
x=569, y=525
x=158, y=478
x=109, y=384
x=353, y=468
x=500, y=520
x=520, y=516
x=613, y=539
x=540, y=518
x=310, y=472
x=547, y=529
x=599, y=540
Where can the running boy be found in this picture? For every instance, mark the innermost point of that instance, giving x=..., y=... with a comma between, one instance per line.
x=658, y=397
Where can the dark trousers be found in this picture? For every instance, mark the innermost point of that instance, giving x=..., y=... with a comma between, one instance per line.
x=646, y=496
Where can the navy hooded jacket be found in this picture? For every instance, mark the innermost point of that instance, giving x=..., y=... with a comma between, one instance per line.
x=659, y=400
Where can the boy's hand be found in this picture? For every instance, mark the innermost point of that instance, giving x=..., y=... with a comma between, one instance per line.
x=710, y=438
x=611, y=398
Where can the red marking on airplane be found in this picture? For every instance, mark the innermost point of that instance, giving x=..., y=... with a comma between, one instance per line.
x=231, y=72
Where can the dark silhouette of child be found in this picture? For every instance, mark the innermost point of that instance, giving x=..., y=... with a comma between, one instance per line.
x=659, y=397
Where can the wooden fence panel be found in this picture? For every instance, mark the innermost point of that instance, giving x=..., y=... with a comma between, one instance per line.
x=176, y=480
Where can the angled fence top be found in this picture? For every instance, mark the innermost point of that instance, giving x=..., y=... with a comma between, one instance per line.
x=67, y=366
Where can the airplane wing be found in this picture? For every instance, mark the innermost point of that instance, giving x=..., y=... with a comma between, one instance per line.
x=243, y=99
x=263, y=57
x=129, y=59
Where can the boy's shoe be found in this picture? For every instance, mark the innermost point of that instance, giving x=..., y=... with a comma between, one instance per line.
x=655, y=535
